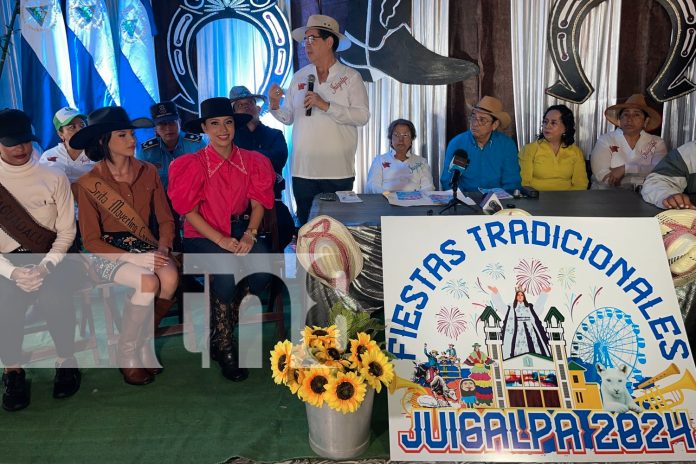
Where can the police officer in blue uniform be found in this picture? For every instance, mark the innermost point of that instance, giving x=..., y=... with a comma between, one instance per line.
x=170, y=142
x=270, y=143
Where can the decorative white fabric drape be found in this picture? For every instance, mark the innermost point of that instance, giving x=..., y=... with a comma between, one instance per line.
x=678, y=117
x=533, y=69
x=424, y=105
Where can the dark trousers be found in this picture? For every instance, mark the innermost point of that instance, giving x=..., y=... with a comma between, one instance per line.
x=305, y=190
x=224, y=286
x=54, y=302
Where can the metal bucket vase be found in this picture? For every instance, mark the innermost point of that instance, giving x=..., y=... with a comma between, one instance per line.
x=335, y=435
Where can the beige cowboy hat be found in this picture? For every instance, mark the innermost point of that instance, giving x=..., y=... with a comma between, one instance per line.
x=327, y=250
x=325, y=23
x=634, y=101
x=678, y=227
x=494, y=107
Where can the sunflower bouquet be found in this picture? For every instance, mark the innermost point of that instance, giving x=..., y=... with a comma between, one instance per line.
x=335, y=364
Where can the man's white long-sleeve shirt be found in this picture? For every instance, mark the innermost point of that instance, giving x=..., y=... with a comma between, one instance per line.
x=324, y=144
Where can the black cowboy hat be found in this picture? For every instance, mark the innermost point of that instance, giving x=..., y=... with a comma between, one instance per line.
x=215, y=108
x=15, y=128
x=105, y=120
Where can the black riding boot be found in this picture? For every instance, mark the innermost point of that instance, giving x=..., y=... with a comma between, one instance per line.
x=224, y=346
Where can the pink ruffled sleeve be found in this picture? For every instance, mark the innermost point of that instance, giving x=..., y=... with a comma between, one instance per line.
x=186, y=182
x=261, y=180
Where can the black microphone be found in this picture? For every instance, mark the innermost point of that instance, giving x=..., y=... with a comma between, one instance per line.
x=459, y=163
x=310, y=88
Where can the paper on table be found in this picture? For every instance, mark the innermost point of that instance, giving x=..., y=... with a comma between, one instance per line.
x=416, y=198
x=346, y=196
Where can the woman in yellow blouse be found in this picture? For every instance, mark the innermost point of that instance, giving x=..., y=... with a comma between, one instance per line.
x=553, y=161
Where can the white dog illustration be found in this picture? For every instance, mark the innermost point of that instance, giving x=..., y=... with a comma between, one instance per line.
x=615, y=395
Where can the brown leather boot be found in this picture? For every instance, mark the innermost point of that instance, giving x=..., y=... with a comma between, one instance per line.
x=134, y=316
x=146, y=350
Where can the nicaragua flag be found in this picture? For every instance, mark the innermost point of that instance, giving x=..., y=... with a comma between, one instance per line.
x=92, y=57
x=46, y=81
x=137, y=68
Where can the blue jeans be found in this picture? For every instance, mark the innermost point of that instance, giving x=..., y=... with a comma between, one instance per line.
x=223, y=286
x=305, y=190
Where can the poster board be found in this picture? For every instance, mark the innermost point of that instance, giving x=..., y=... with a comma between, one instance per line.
x=591, y=363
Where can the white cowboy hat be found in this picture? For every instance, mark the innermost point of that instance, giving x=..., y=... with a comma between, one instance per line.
x=325, y=23
x=512, y=212
x=327, y=250
x=678, y=227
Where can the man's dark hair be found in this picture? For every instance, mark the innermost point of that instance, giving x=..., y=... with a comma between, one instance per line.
x=326, y=34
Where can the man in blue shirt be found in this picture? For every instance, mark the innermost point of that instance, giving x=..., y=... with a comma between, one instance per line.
x=170, y=142
x=492, y=154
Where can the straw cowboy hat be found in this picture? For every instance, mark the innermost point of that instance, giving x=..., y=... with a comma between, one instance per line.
x=105, y=120
x=327, y=250
x=239, y=92
x=636, y=101
x=325, y=23
x=215, y=108
x=494, y=107
x=678, y=227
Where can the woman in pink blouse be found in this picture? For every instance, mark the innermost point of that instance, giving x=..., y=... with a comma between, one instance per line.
x=213, y=189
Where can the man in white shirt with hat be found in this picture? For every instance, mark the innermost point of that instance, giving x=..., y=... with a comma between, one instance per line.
x=326, y=102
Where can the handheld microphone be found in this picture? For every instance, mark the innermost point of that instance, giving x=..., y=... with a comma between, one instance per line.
x=310, y=88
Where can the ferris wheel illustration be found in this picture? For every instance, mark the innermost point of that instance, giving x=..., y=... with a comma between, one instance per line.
x=610, y=337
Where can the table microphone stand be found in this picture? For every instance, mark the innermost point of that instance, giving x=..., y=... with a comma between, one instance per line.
x=455, y=200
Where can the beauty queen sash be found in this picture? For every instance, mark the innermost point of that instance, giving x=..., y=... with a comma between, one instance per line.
x=16, y=222
x=111, y=202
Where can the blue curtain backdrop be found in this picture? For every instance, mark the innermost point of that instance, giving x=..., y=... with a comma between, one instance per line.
x=224, y=63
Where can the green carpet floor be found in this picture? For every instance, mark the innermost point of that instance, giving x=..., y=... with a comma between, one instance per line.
x=189, y=414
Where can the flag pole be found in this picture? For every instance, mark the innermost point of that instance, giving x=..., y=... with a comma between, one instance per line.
x=7, y=38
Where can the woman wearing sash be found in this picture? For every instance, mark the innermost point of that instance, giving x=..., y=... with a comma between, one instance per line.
x=212, y=189
x=115, y=202
x=37, y=226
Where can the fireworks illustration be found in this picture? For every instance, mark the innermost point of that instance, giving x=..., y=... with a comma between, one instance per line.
x=451, y=322
x=572, y=303
x=566, y=277
x=457, y=288
x=533, y=276
x=494, y=271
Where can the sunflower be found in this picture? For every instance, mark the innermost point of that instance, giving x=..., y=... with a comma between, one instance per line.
x=376, y=369
x=280, y=361
x=359, y=347
x=345, y=392
x=313, y=388
x=295, y=377
x=326, y=336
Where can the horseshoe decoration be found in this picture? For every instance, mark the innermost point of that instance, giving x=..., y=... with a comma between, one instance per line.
x=193, y=15
x=563, y=37
x=671, y=82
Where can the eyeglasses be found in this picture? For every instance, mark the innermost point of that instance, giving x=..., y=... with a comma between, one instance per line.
x=551, y=123
x=310, y=39
x=406, y=135
x=479, y=121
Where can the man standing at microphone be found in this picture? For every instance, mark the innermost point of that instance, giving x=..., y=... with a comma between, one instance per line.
x=326, y=101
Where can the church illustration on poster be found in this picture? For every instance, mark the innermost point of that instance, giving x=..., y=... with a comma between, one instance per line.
x=540, y=336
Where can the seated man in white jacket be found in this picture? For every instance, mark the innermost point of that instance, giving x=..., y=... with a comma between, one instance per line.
x=673, y=179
